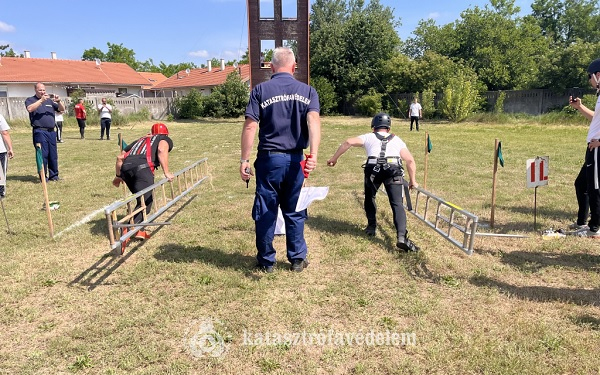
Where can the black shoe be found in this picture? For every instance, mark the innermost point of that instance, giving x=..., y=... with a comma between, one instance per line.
x=266, y=269
x=406, y=245
x=299, y=265
x=371, y=230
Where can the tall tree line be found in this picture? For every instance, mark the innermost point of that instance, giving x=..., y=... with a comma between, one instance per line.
x=354, y=48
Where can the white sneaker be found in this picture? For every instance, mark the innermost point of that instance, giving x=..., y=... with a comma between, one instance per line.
x=576, y=226
x=581, y=232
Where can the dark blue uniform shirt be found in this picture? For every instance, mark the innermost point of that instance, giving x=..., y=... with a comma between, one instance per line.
x=280, y=106
x=43, y=116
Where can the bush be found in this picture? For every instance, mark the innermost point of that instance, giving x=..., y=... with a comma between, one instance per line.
x=327, y=96
x=499, y=106
x=233, y=96
x=190, y=105
x=212, y=105
x=369, y=104
x=460, y=98
x=428, y=104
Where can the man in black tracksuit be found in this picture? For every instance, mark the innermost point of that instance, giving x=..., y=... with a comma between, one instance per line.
x=136, y=164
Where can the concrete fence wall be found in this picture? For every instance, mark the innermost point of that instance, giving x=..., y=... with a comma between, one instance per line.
x=14, y=108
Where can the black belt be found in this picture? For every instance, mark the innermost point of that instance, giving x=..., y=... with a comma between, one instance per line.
x=391, y=160
x=43, y=128
x=278, y=152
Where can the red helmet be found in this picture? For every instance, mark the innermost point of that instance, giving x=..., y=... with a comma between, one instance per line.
x=160, y=128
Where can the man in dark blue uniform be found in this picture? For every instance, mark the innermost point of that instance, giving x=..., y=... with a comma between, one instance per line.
x=286, y=113
x=41, y=117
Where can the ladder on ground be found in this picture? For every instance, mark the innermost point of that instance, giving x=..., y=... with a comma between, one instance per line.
x=119, y=215
x=450, y=221
x=455, y=224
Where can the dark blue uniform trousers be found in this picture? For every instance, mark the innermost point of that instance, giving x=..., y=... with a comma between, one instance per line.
x=279, y=179
x=47, y=139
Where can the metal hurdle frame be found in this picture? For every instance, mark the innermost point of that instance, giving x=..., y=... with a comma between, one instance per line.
x=184, y=182
x=468, y=230
x=442, y=217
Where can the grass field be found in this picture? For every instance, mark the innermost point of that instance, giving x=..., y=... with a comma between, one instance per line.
x=517, y=306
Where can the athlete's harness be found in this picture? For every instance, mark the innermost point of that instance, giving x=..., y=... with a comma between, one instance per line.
x=381, y=161
x=384, y=163
x=146, y=148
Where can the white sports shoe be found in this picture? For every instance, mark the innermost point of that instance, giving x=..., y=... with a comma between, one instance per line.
x=576, y=226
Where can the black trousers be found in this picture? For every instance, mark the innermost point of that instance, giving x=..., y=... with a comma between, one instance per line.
x=81, y=124
x=137, y=180
x=394, y=186
x=592, y=176
x=414, y=119
x=583, y=202
x=59, y=126
x=3, y=166
x=105, y=125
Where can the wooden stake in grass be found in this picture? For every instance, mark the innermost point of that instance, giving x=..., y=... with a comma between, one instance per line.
x=42, y=173
x=428, y=147
x=496, y=147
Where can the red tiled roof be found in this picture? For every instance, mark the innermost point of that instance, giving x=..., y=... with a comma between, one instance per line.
x=153, y=78
x=202, y=77
x=31, y=70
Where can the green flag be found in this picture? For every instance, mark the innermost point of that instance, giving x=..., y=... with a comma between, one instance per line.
x=39, y=160
x=500, y=157
x=123, y=144
x=429, y=144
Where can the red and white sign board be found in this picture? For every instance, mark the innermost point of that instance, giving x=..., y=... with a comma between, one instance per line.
x=537, y=171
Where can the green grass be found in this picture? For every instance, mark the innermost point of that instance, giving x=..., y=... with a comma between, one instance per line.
x=517, y=306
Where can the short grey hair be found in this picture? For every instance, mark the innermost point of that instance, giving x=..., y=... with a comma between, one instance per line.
x=283, y=56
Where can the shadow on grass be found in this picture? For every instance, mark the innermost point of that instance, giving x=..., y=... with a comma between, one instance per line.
x=533, y=262
x=28, y=178
x=541, y=212
x=587, y=321
x=580, y=297
x=97, y=273
x=191, y=254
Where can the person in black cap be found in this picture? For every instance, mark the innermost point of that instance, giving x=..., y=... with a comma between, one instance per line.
x=385, y=153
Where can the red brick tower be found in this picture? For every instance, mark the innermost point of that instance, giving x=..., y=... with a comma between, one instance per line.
x=278, y=29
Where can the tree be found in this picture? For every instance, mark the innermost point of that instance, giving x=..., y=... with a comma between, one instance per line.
x=93, y=54
x=172, y=69
x=9, y=53
x=116, y=53
x=326, y=91
x=504, y=50
x=564, y=22
x=349, y=43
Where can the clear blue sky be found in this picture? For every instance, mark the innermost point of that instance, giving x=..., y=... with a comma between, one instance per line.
x=172, y=32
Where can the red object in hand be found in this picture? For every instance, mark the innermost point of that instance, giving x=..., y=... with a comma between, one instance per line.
x=303, y=165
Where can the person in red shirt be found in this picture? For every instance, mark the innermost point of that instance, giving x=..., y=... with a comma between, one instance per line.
x=81, y=116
